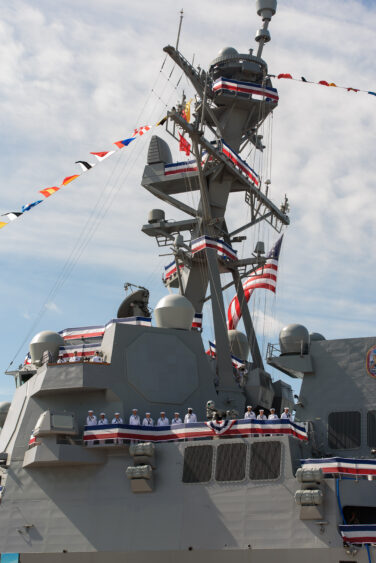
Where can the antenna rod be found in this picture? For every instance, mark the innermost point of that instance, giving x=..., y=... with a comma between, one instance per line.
x=181, y=20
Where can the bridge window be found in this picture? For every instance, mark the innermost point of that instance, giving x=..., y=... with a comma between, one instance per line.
x=371, y=428
x=344, y=430
x=265, y=461
x=198, y=461
x=231, y=460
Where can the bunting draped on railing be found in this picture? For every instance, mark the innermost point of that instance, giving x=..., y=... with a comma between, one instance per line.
x=198, y=430
x=227, y=85
x=359, y=533
x=288, y=76
x=85, y=167
x=220, y=246
x=240, y=163
x=342, y=465
x=171, y=269
x=236, y=362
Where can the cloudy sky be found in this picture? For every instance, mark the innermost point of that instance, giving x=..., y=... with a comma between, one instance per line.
x=75, y=76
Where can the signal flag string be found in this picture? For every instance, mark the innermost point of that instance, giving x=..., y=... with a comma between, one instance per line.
x=320, y=83
x=85, y=166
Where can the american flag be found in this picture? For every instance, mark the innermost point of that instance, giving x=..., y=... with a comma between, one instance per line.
x=264, y=277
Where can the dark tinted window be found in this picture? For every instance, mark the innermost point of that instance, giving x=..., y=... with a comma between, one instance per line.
x=230, y=465
x=197, y=464
x=344, y=430
x=371, y=428
x=265, y=460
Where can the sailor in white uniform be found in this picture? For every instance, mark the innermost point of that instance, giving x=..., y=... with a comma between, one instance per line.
x=190, y=416
x=286, y=413
x=272, y=415
x=75, y=357
x=102, y=419
x=261, y=415
x=148, y=421
x=61, y=360
x=249, y=413
x=163, y=420
x=96, y=359
x=176, y=419
x=91, y=419
x=117, y=419
x=134, y=419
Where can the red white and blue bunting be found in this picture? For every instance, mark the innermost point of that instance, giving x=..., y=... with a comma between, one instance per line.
x=240, y=163
x=359, y=533
x=199, y=430
x=223, y=249
x=341, y=465
x=230, y=86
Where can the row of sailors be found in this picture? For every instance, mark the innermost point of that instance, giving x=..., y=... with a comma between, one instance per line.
x=249, y=413
x=135, y=420
x=97, y=358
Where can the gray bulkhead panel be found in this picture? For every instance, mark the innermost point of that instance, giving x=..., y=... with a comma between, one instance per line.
x=93, y=509
x=340, y=383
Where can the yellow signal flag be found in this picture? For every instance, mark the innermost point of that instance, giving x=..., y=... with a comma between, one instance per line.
x=188, y=111
x=162, y=121
x=49, y=191
x=69, y=179
x=2, y=224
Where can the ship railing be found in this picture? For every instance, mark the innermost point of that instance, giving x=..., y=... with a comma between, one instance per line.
x=273, y=351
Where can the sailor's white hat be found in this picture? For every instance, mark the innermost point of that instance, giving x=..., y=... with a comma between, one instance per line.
x=102, y=414
x=132, y=410
x=147, y=413
x=162, y=412
x=90, y=410
x=249, y=406
x=118, y=413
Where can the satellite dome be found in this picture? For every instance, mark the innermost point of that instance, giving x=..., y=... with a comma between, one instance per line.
x=238, y=344
x=4, y=408
x=45, y=341
x=228, y=52
x=174, y=311
x=294, y=339
x=315, y=336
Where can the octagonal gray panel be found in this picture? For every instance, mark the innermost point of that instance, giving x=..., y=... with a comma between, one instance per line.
x=162, y=368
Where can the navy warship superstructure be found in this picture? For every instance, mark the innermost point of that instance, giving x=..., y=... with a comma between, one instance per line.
x=221, y=486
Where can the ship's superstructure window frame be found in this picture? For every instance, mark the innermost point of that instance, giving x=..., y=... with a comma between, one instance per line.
x=230, y=462
x=371, y=429
x=344, y=430
x=240, y=466
x=192, y=466
x=265, y=461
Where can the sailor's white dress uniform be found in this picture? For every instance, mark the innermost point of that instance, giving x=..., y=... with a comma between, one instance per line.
x=134, y=420
x=177, y=420
x=148, y=421
x=102, y=421
x=273, y=417
x=250, y=414
x=163, y=421
x=285, y=415
x=261, y=417
x=117, y=420
x=91, y=420
x=190, y=418
x=96, y=359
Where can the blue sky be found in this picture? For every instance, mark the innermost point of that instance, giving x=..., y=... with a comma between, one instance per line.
x=77, y=76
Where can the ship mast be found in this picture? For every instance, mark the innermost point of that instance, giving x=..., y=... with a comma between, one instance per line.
x=233, y=119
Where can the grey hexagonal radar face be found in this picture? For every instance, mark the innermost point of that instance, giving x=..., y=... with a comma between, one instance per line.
x=161, y=368
x=293, y=339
